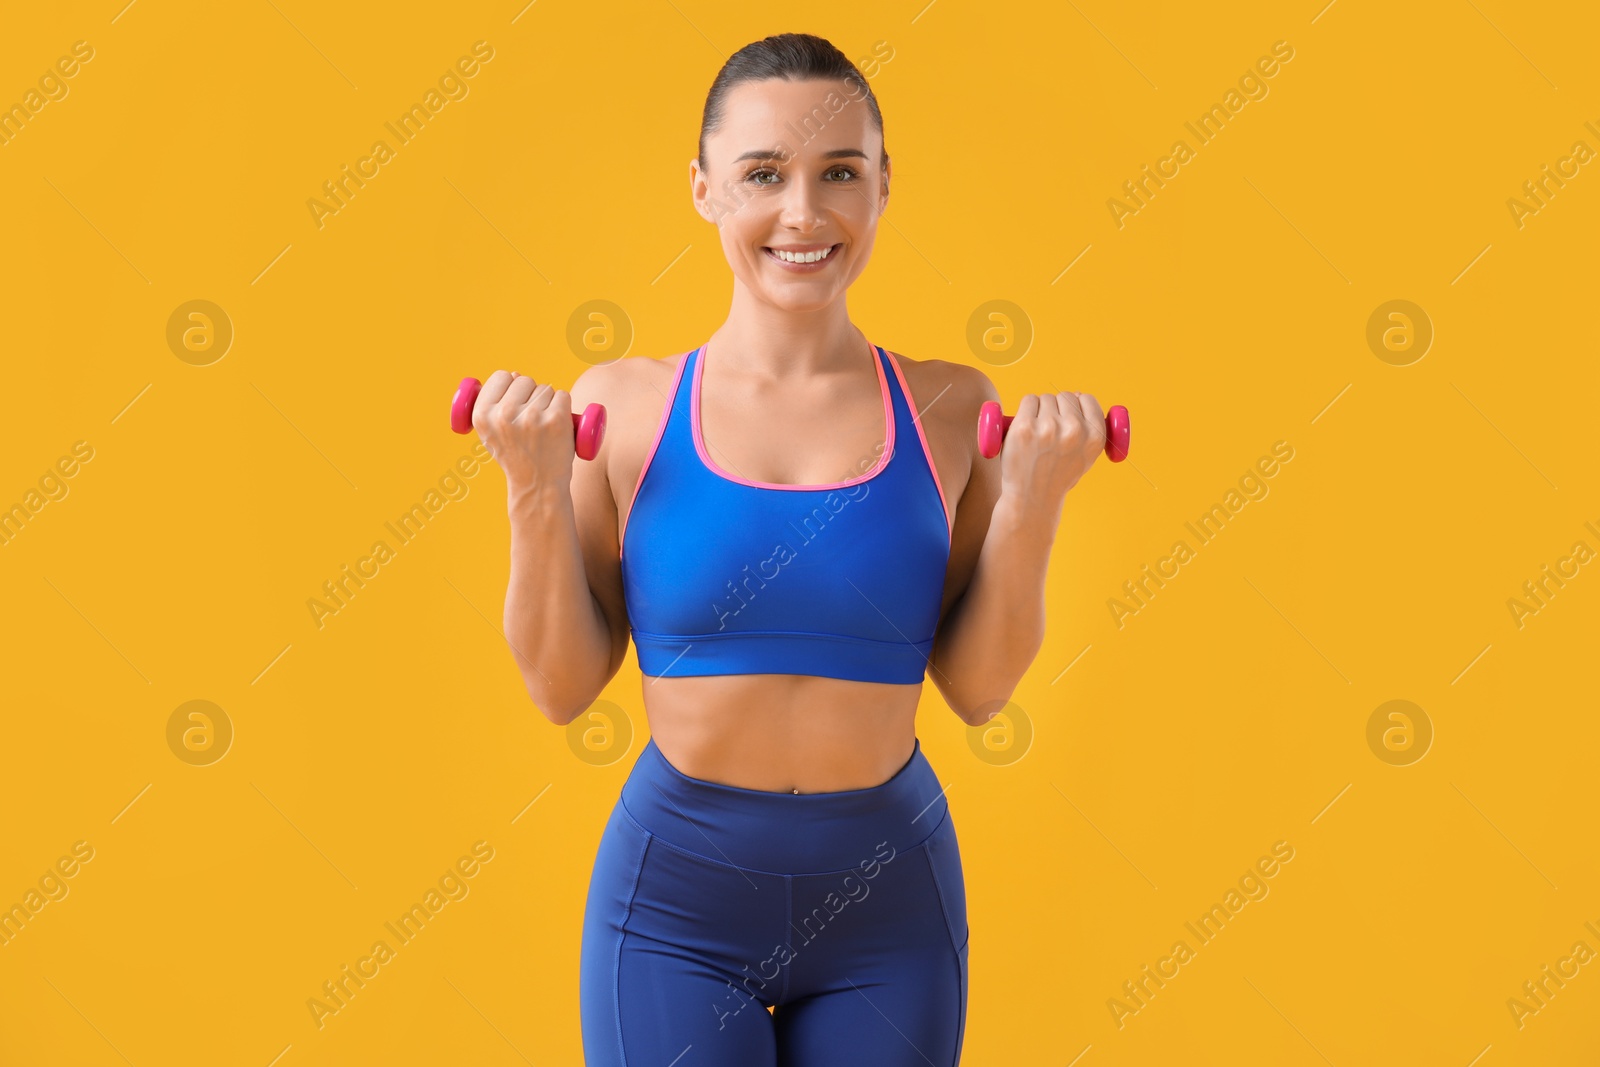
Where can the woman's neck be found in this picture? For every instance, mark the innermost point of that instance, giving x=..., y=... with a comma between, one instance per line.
x=768, y=342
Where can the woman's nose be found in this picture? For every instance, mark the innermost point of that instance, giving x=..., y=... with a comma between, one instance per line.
x=800, y=207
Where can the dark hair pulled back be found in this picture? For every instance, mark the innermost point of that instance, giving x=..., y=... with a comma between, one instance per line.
x=792, y=57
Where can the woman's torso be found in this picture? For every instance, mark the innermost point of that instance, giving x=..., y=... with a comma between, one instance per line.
x=785, y=732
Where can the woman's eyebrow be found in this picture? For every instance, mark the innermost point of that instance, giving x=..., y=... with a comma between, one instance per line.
x=773, y=153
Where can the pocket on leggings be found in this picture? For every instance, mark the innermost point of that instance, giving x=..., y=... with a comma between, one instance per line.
x=944, y=859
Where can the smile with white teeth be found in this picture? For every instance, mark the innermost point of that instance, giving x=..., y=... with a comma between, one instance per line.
x=802, y=257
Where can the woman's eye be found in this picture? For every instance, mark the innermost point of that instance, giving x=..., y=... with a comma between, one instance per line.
x=755, y=176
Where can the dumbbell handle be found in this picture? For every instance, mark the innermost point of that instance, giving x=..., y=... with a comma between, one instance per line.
x=992, y=427
x=588, y=428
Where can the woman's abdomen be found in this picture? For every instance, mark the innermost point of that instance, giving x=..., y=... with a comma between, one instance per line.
x=782, y=732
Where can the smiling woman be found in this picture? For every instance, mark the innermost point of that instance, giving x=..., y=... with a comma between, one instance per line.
x=783, y=748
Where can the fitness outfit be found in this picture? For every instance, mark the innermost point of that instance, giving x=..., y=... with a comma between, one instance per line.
x=729, y=576
x=844, y=911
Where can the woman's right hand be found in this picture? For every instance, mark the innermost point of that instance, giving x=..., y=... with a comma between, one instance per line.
x=527, y=428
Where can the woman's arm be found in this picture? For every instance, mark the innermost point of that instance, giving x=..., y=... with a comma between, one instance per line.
x=1007, y=517
x=564, y=615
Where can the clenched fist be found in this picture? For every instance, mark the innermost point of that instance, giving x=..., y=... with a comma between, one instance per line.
x=527, y=428
x=1053, y=441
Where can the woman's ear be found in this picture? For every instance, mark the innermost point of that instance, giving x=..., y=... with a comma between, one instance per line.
x=696, y=183
x=706, y=203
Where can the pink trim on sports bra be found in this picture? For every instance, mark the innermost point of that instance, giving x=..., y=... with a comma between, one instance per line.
x=883, y=459
x=661, y=429
x=916, y=417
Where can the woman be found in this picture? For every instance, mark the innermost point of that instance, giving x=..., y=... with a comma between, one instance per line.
x=796, y=526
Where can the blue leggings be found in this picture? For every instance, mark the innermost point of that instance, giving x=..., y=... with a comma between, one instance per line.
x=846, y=912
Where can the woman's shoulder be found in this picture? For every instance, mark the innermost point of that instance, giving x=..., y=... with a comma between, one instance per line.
x=945, y=390
x=626, y=383
x=631, y=368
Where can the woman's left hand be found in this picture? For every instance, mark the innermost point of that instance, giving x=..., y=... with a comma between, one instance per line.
x=1053, y=440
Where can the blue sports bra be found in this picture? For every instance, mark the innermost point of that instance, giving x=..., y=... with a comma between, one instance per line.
x=729, y=576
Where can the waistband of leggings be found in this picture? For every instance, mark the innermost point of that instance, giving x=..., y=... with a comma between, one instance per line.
x=785, y=833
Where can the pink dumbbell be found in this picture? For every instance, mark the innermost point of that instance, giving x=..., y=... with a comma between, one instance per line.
x=992, y=427
x=588, y=428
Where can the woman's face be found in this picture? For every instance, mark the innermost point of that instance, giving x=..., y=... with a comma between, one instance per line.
x=770, y=189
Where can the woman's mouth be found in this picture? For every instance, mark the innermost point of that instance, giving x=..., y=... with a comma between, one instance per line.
x=802, y=261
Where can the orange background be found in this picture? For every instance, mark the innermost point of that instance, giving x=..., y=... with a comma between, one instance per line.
x=1120, y=798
